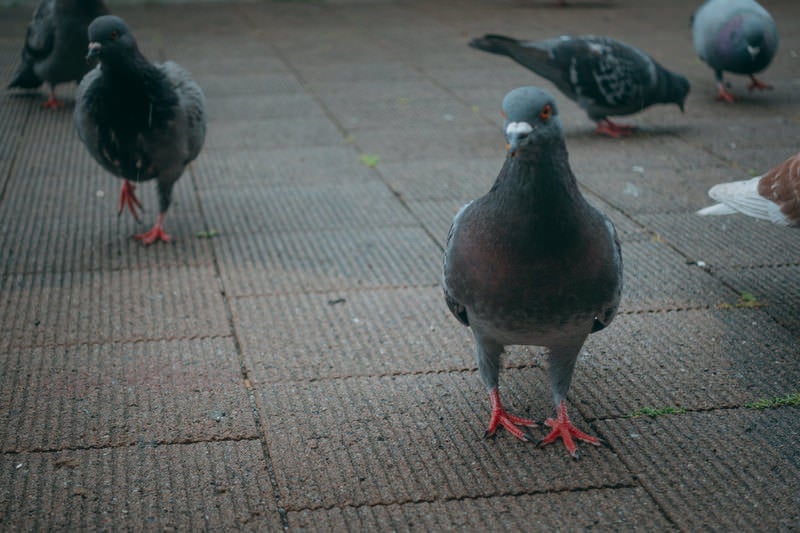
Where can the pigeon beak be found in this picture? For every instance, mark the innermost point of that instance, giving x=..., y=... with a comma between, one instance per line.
x=94, y=51
x=512, y=146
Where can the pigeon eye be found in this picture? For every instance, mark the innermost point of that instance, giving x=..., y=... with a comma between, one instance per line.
x=546, y=112
x=114, y=35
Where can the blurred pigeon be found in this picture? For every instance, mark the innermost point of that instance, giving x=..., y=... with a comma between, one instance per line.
x=531, y=262
x=774, y=196
x=604, y=76
x=140, y=121
x=736, y=36
x=55, y=45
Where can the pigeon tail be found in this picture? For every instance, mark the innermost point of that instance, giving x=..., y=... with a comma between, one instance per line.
x=25, y=78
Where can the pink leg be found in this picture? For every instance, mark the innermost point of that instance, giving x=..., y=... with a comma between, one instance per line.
x=723, y=95
x=52, y=102
x=156, y=233
x=127, y=198
x=501, y=418
x=755, y=83
x=606, y=127
x=562, y=427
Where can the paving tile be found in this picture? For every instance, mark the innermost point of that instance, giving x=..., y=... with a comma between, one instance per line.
x=618, y=509
x=399, y=109
x=442, y=178
x=774, y=288
x=720, y=470
x=252, y=209
x=655, y=278
x=297, y=132
x=370, y=441
x=413, y=143
x=694, y=359
x=728, y=241
x=215, y=486
x=76, y=226
x=324, y=335
x=100, y=395
x=268, y=263
x=312, y=165
x=80, y=307
x=226, y=107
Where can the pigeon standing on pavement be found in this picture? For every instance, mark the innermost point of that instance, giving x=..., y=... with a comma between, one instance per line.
x=531, y=262
x=140, y=121
x=736, y=36
x=602, y=75
x=55, y=45
x=774, y=196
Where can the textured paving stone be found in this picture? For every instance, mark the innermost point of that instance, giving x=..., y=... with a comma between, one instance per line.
x=304, y=208
x=69, y=308
x=775, y=290
x=622, y=508
x=76, y=226
x=98, y=395
x=724, y=470
x=327, y=260
x=655, y=278
x=350, y=333
x=729, y=241
x=313, y=165
x=704, y=359
x=412, y=438
x=206, y=485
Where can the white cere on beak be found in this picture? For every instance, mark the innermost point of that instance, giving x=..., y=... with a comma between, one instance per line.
x=520, y=128
x=753, y=50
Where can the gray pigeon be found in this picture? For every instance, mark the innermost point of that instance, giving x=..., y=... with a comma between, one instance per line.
x=604, y=76
x=140, y=121
x=736, y=36
x=531, y=262
x=55, y=45
x=773, y=196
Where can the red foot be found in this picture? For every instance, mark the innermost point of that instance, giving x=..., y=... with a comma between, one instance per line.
x=758, y=84
x=606, y=127
x=723, y=95
x=155, y=234
x=52, y=103
x=562, y=427
x=501, y=418
x=127, y=198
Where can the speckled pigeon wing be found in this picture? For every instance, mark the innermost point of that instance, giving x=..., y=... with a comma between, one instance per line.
x=606, y=74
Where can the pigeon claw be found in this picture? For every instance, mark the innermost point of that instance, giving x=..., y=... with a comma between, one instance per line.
x=755, y=83
x=127, y=198
x=157, y=233
x=723, y=95
x=562, y=427
x=612, y=129
x=53, y=103
x=500, y=417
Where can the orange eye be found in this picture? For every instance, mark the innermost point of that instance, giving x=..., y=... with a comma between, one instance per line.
x=546, y=112
x=114, y=34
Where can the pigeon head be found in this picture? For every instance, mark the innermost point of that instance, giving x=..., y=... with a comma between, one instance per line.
x=531, y=116
x=109, y=37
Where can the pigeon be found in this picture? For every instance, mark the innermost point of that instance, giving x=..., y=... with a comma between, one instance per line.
x=139, y=120
x=736, y=36
x=774, y=196
x=532, y=263
x=602, y=75
x=55, y=45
